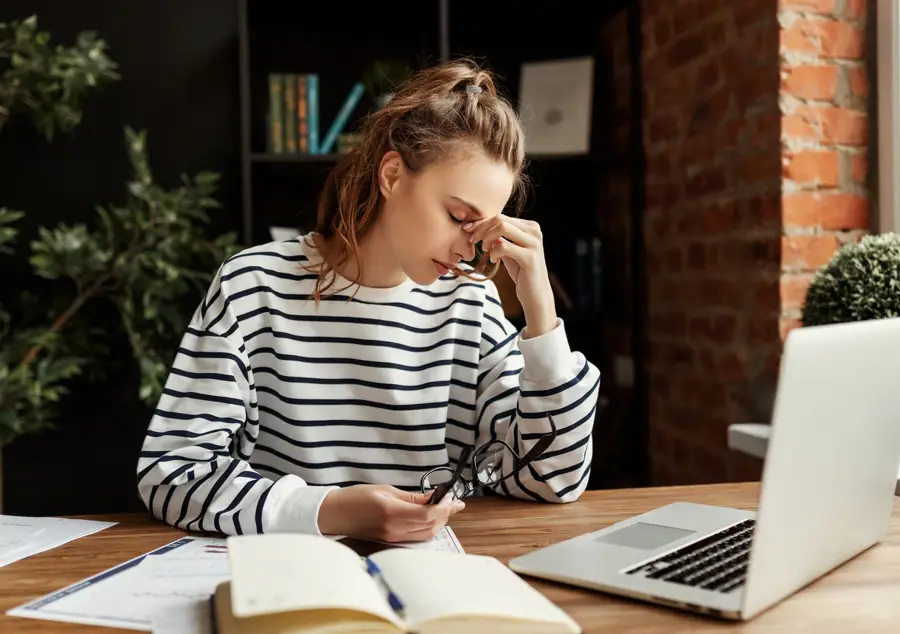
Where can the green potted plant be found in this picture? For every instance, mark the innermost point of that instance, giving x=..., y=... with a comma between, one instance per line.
x=860, y=282
x=47, y=83
x=148, y=259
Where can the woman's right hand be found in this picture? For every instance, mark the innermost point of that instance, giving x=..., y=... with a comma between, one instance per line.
x=384, y=513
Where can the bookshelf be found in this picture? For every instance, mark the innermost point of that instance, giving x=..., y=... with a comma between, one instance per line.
x=282, y=189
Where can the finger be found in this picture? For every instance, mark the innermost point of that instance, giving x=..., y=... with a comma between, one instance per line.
x=478, y=228
x=403, y=511
x=411, y=497
x=528, y=226
x=509, y=231
x=522, y=256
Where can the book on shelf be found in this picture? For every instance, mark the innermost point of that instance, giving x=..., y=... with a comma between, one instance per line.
x=294, y=113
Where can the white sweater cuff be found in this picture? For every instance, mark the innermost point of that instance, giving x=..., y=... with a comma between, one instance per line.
x=547, y=356
x=293, y=506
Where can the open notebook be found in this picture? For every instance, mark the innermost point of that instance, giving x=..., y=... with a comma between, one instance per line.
x=307, y=584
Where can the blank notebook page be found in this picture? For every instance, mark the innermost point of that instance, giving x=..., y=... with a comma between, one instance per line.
x=284, y=572
x=439, y=584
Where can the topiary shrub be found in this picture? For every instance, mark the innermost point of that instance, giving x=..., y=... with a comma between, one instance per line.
x=860, y=282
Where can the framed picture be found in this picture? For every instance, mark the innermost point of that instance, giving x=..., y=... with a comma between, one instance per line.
x=555, y=105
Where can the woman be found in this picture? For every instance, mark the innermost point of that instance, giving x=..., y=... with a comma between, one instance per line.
x=323, y=380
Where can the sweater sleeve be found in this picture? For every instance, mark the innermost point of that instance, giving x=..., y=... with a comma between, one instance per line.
x=193, y=470
x=522, y=381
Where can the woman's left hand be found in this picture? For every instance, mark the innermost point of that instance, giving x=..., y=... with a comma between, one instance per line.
x=519, y=245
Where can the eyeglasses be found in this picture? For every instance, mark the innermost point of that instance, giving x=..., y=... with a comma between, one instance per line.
x=487, y=466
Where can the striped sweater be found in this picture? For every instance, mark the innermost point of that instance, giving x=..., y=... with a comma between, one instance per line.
x=272, y=402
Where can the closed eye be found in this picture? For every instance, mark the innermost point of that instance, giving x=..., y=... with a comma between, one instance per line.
x=458, y=221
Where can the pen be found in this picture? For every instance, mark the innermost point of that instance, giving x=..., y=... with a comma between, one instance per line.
x=393, y=599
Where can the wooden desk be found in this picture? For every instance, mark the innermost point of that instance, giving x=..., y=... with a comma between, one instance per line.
x=861, y=596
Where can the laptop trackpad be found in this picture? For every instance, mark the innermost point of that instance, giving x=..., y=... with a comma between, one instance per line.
x=644, y=536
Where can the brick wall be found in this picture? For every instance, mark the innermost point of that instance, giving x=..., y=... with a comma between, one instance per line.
x=755, y=135
x=824, y=137
x=713, y=228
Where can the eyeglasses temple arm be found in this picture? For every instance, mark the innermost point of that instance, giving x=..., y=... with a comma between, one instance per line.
x=540, y=446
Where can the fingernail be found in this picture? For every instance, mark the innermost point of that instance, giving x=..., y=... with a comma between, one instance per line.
x=472, y=238
x=468, y=226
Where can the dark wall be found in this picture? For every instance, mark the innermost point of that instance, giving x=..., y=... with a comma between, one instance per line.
x=178, y=62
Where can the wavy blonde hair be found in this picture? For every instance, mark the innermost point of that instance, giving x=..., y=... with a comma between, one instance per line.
x=435, y=114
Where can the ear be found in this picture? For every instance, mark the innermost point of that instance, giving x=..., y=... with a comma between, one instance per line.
x=390, y=170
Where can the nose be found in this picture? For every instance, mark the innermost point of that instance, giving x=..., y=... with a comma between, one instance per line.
x=464, y=249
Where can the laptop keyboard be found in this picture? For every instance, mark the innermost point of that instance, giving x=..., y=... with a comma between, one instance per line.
x=717, y=562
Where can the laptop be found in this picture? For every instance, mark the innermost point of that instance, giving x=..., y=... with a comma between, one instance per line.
x=826, y=494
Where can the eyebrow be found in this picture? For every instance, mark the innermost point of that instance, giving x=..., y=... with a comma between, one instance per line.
x=471, y=207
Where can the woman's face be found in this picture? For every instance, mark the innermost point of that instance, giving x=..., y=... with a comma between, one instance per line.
x=424, y=212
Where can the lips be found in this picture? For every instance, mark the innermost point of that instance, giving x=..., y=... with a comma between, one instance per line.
x=441, y=268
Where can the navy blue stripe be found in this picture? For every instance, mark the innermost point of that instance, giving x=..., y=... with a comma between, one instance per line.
x=339, y=297
x=562, y=431
x=170, y=458
x=185, y=433
x=347, y=402
x=340, y=319
x=156, y=453
x=361, y=382
x=356, y=341
x=202, y=416
x=213, y=376
x=360, y=444
x=212, y=496
x=189, y=495
x=575, y=485
x=564, y=450
x=260, y=505
x=165, y=506
x=250, y=253
x=211, y=398
x=294, y=277
x=569, y=406
x=201, y=354
x=348, y=464
x=517, y=477
x=559, y=388
x=350, y=423
x=512, y=353
x=455, y=288
x=361, y=362
x=496, y=321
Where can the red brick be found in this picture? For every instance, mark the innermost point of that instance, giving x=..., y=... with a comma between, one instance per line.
x=787, y=324
x=719, y=329
x=833, y=211
x=829, y=124
x=807, y=252
x=732, y=367
x=812, y=167
x=664, y=127
x=793, y=289
x=718, y=219
x=708, y=75
x=686, y=49
x=828, y=38
x=859, y=168
x=855, y=9
x=823, y=7
x=859, y=81
x=765, y=298
x=810, y=82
